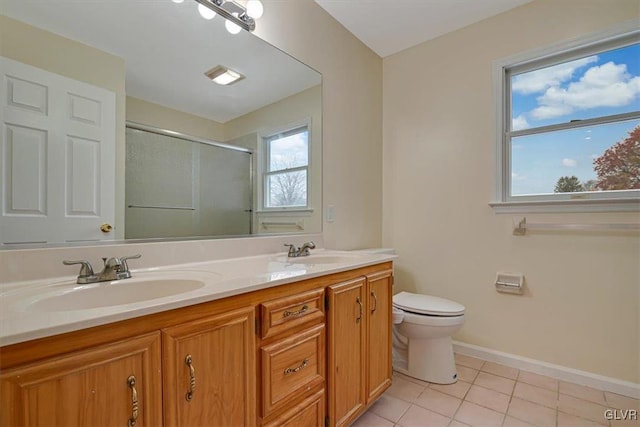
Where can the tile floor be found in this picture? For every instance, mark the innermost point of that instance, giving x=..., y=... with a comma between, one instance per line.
x=492, y=395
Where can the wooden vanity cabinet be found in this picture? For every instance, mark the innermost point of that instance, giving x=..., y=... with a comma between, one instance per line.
x=319, y=346
x=117, y=384
x=359, y=344
x=209, y=371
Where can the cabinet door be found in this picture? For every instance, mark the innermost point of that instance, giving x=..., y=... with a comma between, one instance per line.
x=112, y=385
x=379, y=333
x=347, y=351
x=210, y=371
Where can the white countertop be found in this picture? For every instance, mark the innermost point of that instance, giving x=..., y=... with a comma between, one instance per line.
x=30, y=310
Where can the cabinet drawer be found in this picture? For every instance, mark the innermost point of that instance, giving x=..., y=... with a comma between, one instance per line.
x=289, y=312
x=292, y=367
x=309, y=413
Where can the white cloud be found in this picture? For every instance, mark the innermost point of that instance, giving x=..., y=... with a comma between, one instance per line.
x=607, y=85
x=516, y=177
x=520, y=123
x=541, y=80
x=570, y=163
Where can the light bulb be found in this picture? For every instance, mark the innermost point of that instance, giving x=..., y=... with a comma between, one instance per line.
x=205, y=12
x=255, y=8
x=232, y=27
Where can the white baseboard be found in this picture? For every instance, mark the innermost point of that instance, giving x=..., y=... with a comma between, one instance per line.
x=563, y=373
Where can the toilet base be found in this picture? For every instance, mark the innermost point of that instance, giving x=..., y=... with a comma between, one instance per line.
x=431, y=360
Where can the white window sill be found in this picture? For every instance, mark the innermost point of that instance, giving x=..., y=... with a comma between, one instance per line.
x=285, y=210
x=562, y=206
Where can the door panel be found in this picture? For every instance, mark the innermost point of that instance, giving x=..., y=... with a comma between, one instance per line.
x=379, y=334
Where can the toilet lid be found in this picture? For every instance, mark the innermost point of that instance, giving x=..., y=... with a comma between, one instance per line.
x=426, y=304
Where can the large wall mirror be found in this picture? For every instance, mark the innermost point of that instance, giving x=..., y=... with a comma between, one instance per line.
x=113, y=127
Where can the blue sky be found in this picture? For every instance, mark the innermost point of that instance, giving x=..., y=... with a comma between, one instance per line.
x=597, y=85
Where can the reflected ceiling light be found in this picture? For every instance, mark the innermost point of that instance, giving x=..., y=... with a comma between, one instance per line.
x=205, y=12
x=254, y=8
x=232, y=27
x=223, y=75
x=177, y=1
x=234, y=12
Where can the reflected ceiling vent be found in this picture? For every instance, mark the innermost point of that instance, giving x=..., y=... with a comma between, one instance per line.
x=223, y=75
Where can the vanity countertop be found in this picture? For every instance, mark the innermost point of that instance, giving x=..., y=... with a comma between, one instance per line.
x=37, y=309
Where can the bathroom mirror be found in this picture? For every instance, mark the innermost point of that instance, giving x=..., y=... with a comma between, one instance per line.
x=101, y=96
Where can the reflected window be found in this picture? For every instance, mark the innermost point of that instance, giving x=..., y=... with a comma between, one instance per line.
x=571, y=124
x=286, y=171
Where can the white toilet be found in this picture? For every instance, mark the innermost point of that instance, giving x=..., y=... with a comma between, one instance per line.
x=422, y=330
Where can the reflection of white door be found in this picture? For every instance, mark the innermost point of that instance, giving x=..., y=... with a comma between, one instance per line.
x=57, y=157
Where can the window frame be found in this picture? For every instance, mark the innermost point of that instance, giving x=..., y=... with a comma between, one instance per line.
x=265, y=139
x=619, y=36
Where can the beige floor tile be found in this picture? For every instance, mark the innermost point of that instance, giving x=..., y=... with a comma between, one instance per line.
x=456, y=423
x=509, y=421
x=411, y=379
x=466, y=374
x=468, y=361
x=390, y=408
x=438, y=402
x=538, y=380
x=405, y=389
x=475, y=415
x=500, y=370
x=420, y=417
x=494, y=382
x=566, y=420
x=532, y=413
x=621, y=402
x=458, y=389
x=582, y=408
x=488, y=398
x=537, y=395
x=582, y=392
x=369, y=419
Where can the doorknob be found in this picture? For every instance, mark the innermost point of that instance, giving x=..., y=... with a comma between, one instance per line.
x=106, y=228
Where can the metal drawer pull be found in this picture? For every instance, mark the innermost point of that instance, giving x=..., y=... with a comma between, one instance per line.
x=359, y=301
x=296, y=313
x=290, y=371
x=131, y=381
x=192, y=378
x=375, y=300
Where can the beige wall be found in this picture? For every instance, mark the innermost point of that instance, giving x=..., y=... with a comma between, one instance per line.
x=583, y=299
x=351, y=115
x=45, y=50
x=151, y=114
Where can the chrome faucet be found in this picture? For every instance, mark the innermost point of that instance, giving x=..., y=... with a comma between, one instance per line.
x=114, y=269
x=302, y=251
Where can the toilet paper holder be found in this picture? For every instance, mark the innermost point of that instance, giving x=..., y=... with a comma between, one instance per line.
x=511, y=283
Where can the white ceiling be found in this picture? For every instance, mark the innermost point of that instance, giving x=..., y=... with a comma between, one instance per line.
x=389, y=26
x=167, y=48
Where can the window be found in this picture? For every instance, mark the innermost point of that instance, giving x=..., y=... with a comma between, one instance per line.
x=570, y=126
x=286, y=169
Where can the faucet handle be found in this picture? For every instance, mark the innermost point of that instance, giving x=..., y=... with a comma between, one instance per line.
x=124, y=266
x=292, y=250
x=85, y=271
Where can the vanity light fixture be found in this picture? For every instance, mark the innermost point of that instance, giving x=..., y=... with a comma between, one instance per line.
x=236, y=15
x=223, y=75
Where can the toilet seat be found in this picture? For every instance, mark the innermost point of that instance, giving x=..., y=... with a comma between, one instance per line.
x=427, y=305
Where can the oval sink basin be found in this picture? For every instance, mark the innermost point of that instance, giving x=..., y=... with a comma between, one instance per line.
x=120, y=292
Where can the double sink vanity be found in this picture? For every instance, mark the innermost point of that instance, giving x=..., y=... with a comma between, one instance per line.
x=261, y=340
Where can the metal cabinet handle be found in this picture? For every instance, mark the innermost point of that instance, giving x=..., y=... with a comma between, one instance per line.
x=375, y=300
x=296, y=313
x=192, y=378
x=359, y=301
x=290, y=371
x=131, y=381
